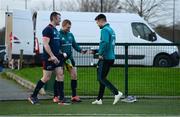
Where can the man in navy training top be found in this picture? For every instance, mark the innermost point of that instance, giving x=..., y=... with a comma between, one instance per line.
x=52, y=57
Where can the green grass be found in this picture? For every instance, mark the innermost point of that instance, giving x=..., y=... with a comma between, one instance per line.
x=142, y=80
x=143, y=107
x=32, y=74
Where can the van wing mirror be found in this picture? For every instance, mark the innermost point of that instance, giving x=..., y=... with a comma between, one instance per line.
x=152, y=36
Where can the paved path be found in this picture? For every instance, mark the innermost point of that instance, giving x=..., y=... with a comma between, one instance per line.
x=10, y=90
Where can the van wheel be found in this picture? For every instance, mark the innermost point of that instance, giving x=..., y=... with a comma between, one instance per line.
x=163, y=61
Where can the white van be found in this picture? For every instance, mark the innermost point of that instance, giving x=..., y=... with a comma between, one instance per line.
x=129, y=28
x=19, y=34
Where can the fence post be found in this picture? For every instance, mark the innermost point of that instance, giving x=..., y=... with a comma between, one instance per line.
x=126, y=69
x=20, y=61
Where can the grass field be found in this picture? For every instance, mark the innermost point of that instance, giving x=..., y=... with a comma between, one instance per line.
x=142, y=80
x=143, y=107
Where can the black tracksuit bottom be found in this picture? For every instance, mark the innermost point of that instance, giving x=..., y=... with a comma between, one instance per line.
x=103, y=69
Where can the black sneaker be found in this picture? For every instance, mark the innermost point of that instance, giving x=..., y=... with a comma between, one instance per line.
x=33, y=100
x=64, y=102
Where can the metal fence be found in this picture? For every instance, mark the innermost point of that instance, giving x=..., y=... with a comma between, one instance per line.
x=139, y=69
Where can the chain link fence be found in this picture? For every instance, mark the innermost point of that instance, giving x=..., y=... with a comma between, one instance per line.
x=140, y=69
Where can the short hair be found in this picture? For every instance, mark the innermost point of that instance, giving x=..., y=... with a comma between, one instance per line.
x=54, y=14
x=101, y=16
x=66, y=21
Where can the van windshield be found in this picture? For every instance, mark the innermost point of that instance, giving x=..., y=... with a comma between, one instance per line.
x=141, y=30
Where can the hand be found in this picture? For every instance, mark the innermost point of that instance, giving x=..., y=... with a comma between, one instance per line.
x=100, y=57
x=83, y=51
x=90, y=52
x=54, y=60
x=65, y=55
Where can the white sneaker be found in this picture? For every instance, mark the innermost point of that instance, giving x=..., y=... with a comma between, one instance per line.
x=130, y=99
x=98, y=102
x=117, y=97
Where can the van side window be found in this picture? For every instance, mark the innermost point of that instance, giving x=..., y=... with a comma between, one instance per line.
x=141, y=30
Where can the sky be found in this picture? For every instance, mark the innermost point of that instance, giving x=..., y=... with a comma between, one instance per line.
x=32, y=4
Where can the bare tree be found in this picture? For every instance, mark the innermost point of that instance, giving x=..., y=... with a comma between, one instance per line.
x=41, y=5
x=110, y=5
x=89, y=5
x=95, y=5
x=145, y=8
x=79, y=5
x=59, y=5
x=68, y=5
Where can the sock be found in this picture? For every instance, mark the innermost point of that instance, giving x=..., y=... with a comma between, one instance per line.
x=39, y=85
x=73, y=87
x=56, y=88
x=60, y=86
x=116, y=92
